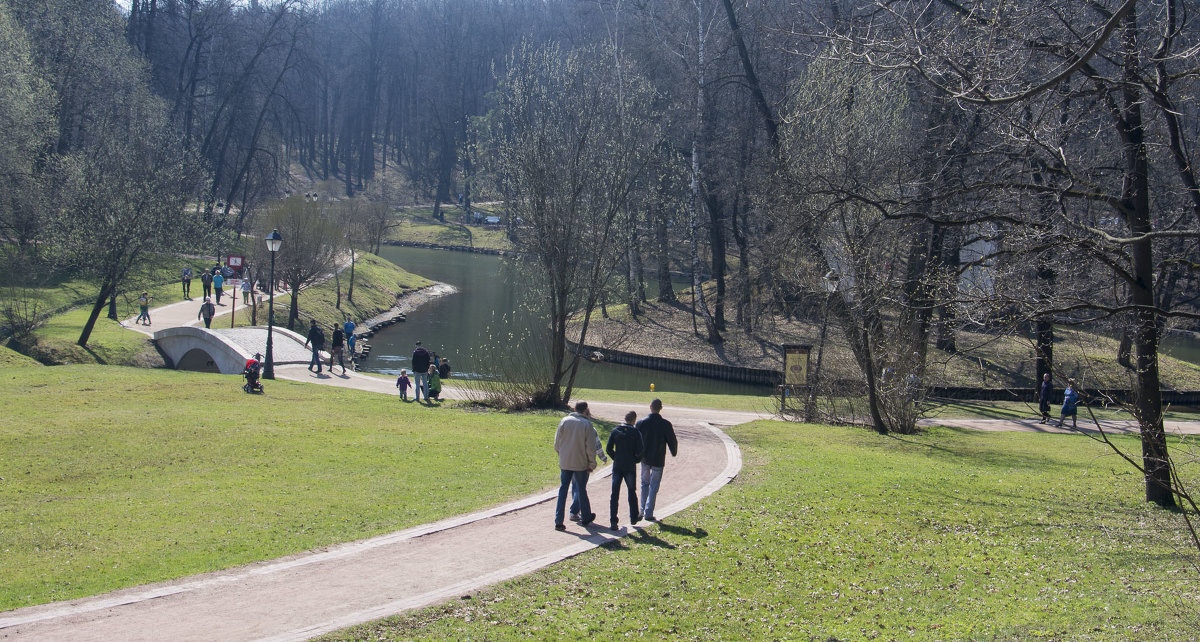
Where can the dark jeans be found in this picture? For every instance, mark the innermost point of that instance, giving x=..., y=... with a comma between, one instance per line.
x=580, y=477
x=316, y=359
x=626, y=477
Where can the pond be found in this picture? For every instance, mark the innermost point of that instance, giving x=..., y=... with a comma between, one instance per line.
x=466, y=327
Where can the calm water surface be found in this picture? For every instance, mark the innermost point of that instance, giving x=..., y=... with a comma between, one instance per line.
x=484, y=313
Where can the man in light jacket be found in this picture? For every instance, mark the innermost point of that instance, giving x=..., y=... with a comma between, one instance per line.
x=577, y=444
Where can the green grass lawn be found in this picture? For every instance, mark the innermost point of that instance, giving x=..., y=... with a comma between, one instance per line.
x=417, y=225
x=112, y=477
x=842, y=534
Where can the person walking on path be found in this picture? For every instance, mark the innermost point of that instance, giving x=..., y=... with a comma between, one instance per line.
x=658, y=435
x=402, y=384
x=143, y=308
x=576, y=443
x=625, y=449
x=206, y=312
x=316, y=339
x=186, y=279
x=420, y=368
x=206, y=283
x=247, y=290
x=1070, y=405
x=218, y=285
x=336, y=342
x=1044, y=392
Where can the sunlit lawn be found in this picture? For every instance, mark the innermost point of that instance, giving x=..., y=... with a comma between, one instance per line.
x=111, y=477
x=836, y=533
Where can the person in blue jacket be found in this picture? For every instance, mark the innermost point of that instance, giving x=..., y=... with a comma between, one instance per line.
x=1070, y=403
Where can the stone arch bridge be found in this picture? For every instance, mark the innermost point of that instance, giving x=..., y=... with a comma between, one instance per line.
x=226, y=350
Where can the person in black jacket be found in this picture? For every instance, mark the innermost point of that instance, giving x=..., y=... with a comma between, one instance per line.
x=316, y=339
x=420, y=368
x=658, y=435
x=625, y=449
x=1044, y=393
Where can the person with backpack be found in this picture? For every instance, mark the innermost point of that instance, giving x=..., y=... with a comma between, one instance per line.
x=625, y=449
x=316, y=339
x=420, y=368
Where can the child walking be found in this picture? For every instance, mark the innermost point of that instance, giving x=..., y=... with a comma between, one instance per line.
x=402, y=384
x=625, y=448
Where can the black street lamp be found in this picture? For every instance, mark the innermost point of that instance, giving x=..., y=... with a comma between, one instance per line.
x=274, y=241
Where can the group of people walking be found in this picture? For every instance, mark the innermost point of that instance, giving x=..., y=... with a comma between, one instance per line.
x=428, y=370
x=341, y=336
x=645, y=442
x=1070, y=403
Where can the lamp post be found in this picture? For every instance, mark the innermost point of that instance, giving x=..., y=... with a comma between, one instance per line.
x=274, y=240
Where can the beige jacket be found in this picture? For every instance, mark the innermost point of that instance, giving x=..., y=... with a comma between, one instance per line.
x=577, y=443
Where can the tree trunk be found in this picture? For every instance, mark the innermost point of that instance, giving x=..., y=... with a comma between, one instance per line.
x=102, y=297
x=666, y=293
x=1136, y=205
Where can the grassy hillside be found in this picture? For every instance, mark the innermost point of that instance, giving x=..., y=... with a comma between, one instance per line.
x=840, y=534
x=377, y=284
x=417, y=225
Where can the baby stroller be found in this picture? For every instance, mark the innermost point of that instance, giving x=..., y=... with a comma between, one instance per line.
x=251, y=373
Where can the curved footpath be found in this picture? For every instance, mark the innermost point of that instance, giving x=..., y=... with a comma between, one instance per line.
x=305, y=595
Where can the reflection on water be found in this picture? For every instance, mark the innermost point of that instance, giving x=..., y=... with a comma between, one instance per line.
x=484, y=317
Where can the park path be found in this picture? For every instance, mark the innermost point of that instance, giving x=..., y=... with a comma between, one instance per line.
x=305, y=595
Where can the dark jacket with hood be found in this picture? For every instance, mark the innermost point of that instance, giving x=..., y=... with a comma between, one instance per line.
x=624, y=447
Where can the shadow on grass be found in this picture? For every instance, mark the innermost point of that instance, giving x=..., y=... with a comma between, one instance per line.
x=983, y=455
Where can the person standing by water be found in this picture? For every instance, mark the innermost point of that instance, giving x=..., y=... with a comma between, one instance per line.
x=420, y=367
x=658, y=435
x=576, y=443
x=207, y=311
x=625, y=449
x=435, y=384
x=316, y=339
x=1044, y=392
